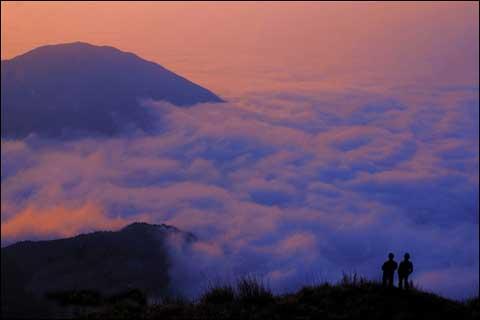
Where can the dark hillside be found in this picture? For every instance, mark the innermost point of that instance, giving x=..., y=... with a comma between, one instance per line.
x=350, y=299
x=107, y=262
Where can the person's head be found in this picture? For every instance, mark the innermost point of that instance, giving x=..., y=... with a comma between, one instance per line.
x=390, y=256
x=406, y=256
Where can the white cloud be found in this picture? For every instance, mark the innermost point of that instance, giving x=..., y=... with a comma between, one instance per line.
x=334, y=181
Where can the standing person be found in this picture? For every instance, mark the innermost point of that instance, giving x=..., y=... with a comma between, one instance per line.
x=388, y=269
x=404, y=270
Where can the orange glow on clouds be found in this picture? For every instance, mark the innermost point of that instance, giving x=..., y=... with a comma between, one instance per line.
x=59, y=221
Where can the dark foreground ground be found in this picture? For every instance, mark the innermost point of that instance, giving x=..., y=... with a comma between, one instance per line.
x=352, y=298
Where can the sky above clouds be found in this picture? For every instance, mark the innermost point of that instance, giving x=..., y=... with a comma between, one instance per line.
x=233, y=48
x=350, y=135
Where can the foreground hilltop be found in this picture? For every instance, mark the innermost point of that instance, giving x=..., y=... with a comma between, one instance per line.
x=78, y=88
x=349, y=299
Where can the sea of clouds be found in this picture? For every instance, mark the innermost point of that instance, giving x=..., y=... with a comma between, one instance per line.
x=292, y=187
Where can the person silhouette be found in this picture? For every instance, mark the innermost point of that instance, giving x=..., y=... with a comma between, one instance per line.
x=388, y=269
x=404, y=270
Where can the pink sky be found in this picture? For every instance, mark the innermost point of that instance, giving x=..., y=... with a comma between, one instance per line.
x=234, y=48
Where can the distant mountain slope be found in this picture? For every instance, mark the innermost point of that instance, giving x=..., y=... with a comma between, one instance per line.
x=109, y=262
x=79, y=88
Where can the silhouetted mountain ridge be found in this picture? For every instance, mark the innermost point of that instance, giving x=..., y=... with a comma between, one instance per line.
x=106, y=261
x=77, y=88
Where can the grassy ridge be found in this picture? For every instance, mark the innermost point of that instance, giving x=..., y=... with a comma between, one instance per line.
x=249, y=298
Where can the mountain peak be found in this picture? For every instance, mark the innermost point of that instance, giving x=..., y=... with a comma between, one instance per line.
x=88, y=90
x=139, y=226
x=144, y=226
x=72, y=48
x=74, y=44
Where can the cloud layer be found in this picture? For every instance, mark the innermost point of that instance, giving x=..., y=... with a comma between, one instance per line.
x=288, y=186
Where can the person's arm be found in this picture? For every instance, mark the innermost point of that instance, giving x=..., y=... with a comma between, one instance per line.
x=411, y=268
